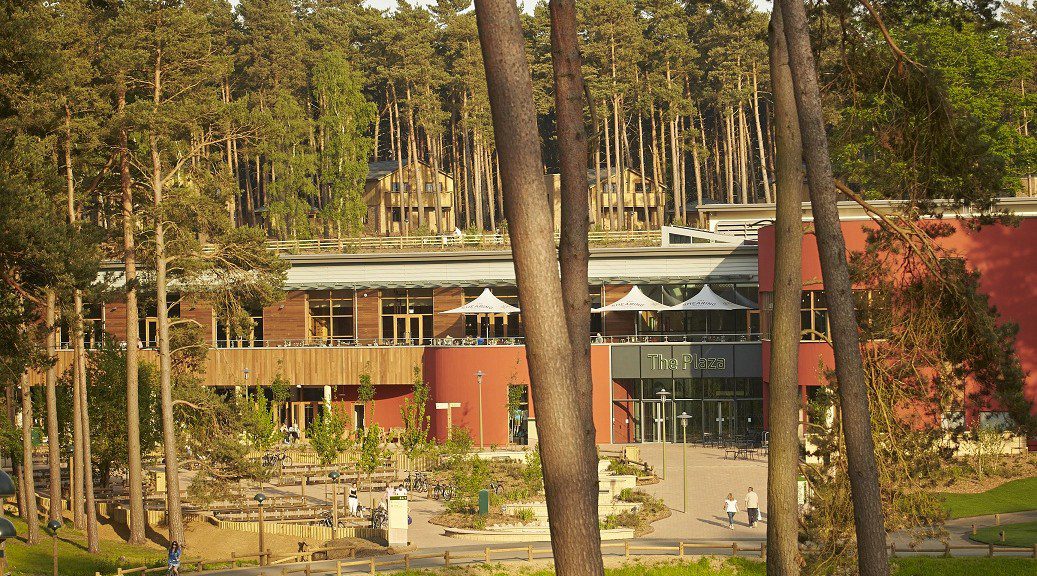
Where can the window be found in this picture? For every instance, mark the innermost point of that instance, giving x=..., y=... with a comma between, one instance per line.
x=329, y=316
x=93, y=328
x=407, y=315
x=740, y=324
x=494, y=325
x=241, y=334
x=814, y=316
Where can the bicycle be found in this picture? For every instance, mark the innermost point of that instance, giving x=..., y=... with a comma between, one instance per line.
x=441, y=492
x=418, y=482
x=379, y=518
x=497, y=488
x=276, y=458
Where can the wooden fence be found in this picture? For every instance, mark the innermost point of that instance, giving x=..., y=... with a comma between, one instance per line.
x=303, y=561
x=435, y=243
x=322, y=533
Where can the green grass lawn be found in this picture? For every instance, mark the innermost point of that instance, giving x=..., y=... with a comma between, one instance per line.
x=1014, y=496
x=73, y=559
x=746, y=567
x=1022, y=535
x=964, y=567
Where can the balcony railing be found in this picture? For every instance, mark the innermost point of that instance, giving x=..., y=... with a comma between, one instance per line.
x=494, y=341
x=490, y=241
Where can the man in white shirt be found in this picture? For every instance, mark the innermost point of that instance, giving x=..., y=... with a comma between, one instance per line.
x=752, y=507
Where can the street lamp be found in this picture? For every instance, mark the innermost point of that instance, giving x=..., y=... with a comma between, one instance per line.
x=52, y=529
x=662, y=394
x=7, y=530
x=259, y=498
x=334, y=475
x=684, y=417
x=245, y=372
x=478, y=376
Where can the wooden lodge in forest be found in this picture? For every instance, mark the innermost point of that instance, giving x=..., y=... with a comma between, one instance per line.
x=639, y=192
x=394, y=205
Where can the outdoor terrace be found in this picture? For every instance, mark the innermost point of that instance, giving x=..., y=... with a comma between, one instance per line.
x=447, y=243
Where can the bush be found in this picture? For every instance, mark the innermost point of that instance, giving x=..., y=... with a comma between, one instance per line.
x=525, y=515
x=468, y=475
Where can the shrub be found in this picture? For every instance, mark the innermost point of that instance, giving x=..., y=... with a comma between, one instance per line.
x=525, y=515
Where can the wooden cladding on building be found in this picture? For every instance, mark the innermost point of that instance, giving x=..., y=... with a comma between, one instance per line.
x=304, y=366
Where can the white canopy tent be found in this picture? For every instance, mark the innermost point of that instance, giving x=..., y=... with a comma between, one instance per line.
x=634, y=301
x=486, y=303
x=707, y=299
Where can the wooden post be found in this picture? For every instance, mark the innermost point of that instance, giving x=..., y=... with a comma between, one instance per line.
x=338, y=568
x=973, y=528
x=531, y=552
x=309, y=568
x=997, y=519
x=947, y=549
x=486, y=551
x=734, y=548
x=893, y=549
x=1035, y=550
x=1002, y=535
x=763, y=550
x=446, y=558
x=372, y=566
x=626, y=549
x=406, y=561
x=990, y=550
x=680, y=549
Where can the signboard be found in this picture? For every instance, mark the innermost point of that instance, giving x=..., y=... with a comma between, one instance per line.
x=634, y=361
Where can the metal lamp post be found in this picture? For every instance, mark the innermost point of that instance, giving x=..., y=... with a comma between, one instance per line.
x=52, y=528
x=478, y=376
x=662, y=394
x=245, y=371
x=259, y=498
x=334, y=475
x=684, y=417
x=7, y=530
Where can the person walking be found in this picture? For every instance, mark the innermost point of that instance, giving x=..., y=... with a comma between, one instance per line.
x=731, y=507
x=752, y=507
x=354, y=502
x=173, y=560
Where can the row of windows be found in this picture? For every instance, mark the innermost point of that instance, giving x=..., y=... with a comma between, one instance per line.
x=406, y=315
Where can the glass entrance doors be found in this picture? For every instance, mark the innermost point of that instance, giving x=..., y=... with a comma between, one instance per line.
x=657, y=421
x=407, y=329
x=718, y=420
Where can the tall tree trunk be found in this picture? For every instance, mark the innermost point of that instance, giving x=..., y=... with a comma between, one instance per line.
x=30, y=514
x=609, y=184
x=135, y=472
x=564, y=421
x=79, y=367
x=77, y=475
x=477, y=179
x=764, y=176
x=698, y=170
x=84, y=415
x=417, y=175
x=783, y=399
x=16, y=468
x=53, y=433
x=872, y=559
x=617, y=130
x=174, y=512
x=644, y=176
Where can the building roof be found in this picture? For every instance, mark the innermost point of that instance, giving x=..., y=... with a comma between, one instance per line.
x=383, y=168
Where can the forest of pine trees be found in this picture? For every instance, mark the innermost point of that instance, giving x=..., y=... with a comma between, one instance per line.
x=275, y=107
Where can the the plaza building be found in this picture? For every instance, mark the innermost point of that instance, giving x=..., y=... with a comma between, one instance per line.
x=390, y=315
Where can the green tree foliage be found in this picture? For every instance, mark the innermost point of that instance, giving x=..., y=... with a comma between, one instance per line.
x=106, y=377
x=328, y=434
x=417, y=423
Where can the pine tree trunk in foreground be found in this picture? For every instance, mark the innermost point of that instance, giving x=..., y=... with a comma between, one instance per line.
x=53, y=450
x=783, y=399
x=135, y=474
x=566, y=438
x=853, y=391
x=84, y=414
x=29, y=513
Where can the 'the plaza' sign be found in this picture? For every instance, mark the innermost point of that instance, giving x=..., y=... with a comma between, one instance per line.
x=686, y=361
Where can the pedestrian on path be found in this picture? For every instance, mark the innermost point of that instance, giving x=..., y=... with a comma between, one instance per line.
x=354, y=502
x=173, y=561
x=731, y=507
x=752, y=507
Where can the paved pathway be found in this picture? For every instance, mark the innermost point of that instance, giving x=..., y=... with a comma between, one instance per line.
x=710, y=478
x=959, y=529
